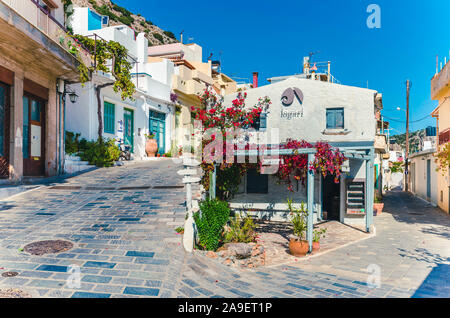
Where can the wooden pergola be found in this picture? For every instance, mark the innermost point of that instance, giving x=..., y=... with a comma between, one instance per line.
x=358, y=151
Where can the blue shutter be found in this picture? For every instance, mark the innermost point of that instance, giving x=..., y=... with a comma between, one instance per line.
x=339, y=118
x=109, y=118
x=335, y=118
x=331, y=119
x=263, y=122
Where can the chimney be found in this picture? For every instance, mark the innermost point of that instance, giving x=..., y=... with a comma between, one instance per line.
x=255, y=79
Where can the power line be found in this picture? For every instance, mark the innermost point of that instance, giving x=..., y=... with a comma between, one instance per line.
x=404, y=121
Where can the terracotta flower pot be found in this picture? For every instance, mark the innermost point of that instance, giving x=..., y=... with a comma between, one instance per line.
x=316, y=246
x=151, y=147
x=298, y=248
x=378, y=207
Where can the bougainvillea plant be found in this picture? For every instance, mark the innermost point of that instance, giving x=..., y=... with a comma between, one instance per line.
x=443, y=159
x=214, y=114
x=327, y=161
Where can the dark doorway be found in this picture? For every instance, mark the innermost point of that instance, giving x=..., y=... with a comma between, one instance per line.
x=4, y=130
x=331, y=197
x=33, y=135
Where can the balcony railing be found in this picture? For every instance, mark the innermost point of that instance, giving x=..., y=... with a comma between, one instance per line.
x=39, y=17
x=440, y=81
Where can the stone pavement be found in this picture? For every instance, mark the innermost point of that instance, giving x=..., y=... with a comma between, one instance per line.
x=122, y=226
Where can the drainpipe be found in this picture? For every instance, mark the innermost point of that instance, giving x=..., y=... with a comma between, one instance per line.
x=59, y=133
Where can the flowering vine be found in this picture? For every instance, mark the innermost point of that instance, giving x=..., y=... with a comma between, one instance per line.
x=327, y=160
x=214, y=114
x=443, y=159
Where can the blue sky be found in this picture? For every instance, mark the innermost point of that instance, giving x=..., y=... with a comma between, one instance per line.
x=272, y=37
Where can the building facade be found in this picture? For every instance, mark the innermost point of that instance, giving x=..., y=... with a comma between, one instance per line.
x=35, y=66
x=341, y=115
x=150, y=111
x=440, y=91
x=423, y=176
x=190, y=78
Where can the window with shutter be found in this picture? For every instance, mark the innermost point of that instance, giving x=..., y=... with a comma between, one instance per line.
x=109, y=118
x=335, y=118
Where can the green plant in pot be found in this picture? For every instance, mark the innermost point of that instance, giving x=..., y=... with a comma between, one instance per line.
x=378, y=205
x=298, y=246
x=317, y=235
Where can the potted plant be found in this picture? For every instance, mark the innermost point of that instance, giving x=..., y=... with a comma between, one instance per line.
x=297, y=245
x=378, y=205
x=317, y=235
x=151, y=145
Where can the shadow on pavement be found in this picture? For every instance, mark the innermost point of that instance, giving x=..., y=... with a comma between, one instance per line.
x=436, y=284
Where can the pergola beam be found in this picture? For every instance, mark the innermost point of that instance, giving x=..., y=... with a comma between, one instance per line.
x=309, y=231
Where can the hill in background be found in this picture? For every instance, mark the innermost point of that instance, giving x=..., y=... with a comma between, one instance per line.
x=119, y=15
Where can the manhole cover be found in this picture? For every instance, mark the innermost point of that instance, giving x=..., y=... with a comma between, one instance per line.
x=9, y=274
x=13, y=293
x=47, y=247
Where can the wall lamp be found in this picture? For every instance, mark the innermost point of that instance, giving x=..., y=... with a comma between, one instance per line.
x=73, y=97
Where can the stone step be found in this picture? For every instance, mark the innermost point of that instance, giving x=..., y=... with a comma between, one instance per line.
x=77, y=163
x=76, y=169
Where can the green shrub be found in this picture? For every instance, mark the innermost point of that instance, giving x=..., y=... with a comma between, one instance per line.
x=159, y=37
x=210, y=222
x=170, y=34
x=72, y=143
x=101, y=154
x=397, y=167
x=298, y=219
x=242, y=230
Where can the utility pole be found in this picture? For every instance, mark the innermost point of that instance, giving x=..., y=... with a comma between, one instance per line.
x=408, y=86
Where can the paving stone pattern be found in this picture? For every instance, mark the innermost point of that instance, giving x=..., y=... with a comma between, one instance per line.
x=125, y=246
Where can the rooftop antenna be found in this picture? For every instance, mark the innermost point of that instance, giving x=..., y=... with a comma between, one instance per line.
x=311, y=54
x=181, y=37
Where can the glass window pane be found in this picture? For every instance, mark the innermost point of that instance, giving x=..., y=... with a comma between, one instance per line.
x=35, y=111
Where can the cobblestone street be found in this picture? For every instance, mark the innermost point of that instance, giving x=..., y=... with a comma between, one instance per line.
x=121, y=221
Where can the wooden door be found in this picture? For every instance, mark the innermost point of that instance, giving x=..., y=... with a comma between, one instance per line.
x=33, y=136
x=4, y=130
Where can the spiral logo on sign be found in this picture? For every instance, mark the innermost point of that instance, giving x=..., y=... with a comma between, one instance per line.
x=287, y=98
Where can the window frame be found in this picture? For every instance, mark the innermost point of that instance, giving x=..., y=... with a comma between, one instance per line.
x=335, y=110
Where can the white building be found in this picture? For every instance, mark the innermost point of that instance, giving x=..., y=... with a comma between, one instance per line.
x=150, y=110
x=341, y=115
x=423, y=175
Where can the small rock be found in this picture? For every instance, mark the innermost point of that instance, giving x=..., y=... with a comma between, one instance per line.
x=228, y=262
x=223, y=253
x=211, y=254
x=240, y=250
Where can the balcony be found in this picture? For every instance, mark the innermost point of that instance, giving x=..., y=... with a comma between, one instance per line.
x=146, y=84
x=31, y=36
x=188, y=87
x=381, y=143
x=440, y=82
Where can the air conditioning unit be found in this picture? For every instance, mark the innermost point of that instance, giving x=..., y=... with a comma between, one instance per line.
x=105, y=21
